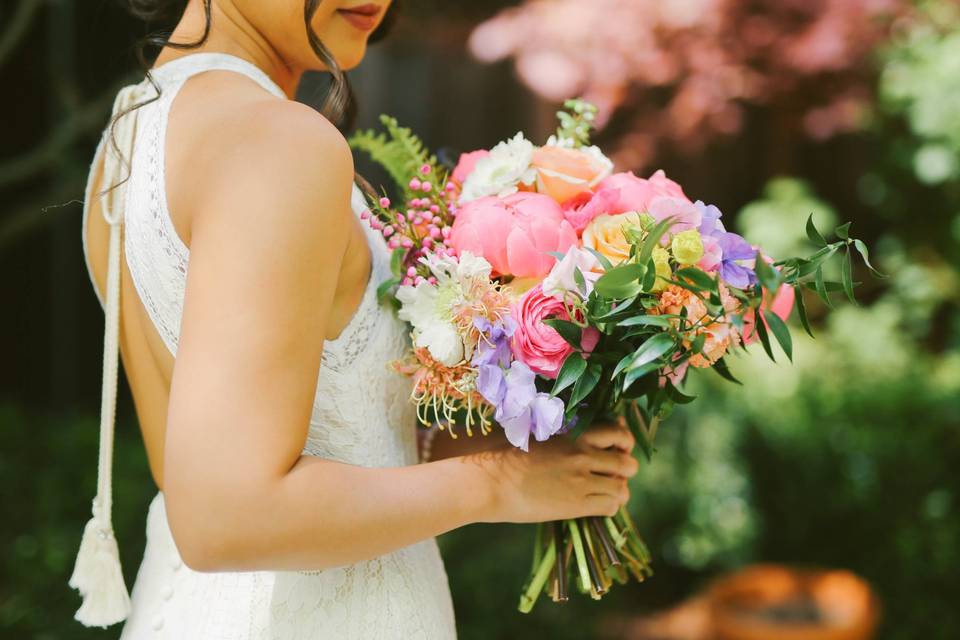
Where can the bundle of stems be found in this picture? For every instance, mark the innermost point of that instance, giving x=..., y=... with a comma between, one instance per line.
x=594, y=551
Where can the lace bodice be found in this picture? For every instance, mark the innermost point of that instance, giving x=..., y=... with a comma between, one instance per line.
x=361, y=415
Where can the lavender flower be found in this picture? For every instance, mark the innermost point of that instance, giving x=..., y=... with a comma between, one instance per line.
x=736, y=248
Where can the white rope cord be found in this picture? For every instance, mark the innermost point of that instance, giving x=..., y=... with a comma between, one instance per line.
x=97, y=574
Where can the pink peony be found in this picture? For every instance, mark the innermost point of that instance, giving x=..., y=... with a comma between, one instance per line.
x=514, y=234
x=466, y=164
x=636, y=194
x=537, y=345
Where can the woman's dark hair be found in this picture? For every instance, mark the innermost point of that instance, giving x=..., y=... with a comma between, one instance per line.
x=338, y=105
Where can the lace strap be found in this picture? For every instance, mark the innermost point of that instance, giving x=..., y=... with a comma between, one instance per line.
x=97, y=574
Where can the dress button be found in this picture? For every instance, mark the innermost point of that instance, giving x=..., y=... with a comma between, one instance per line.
x=167, y=592
x=158, y=623
x=175, y=562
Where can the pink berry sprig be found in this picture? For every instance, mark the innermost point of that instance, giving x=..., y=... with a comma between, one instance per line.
x=421, y=226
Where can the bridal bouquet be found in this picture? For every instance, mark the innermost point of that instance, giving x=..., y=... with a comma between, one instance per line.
x=544, y=292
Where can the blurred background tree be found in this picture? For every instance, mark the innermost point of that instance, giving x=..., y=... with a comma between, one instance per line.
x=772, y=109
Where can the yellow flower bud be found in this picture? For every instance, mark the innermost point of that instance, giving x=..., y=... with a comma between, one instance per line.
x=662, y=261
x=687, y=247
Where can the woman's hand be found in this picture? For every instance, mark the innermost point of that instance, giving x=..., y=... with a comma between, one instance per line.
x=562, y=477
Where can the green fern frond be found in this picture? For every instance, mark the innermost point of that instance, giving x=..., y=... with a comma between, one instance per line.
x=399, y=150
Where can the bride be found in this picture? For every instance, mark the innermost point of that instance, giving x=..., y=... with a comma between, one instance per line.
x=291, y=503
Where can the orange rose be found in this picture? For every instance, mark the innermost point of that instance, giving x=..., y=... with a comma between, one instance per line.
x=565, y=173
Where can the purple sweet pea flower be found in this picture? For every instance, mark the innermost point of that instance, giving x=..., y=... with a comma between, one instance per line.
x=495, y=349
x=491, y=384
x=736, y=248
x=520, y=409
x=710, y=215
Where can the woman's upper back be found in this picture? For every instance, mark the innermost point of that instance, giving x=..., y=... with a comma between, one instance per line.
x=229, y=145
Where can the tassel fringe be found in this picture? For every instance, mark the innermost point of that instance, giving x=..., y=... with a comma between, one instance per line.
x=98, y=577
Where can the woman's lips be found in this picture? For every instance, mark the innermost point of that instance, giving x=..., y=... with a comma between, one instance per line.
x=363, y=17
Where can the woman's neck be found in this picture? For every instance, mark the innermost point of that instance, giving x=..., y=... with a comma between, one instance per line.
x=230, y=33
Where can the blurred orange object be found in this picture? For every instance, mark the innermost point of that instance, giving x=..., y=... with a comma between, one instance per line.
x=768, y=601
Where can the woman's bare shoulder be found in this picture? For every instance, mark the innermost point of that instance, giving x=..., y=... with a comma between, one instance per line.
x=254, y=155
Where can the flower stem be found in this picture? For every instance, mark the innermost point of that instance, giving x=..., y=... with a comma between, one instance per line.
x=538, y=579
x=561, y=550
x=580, y=555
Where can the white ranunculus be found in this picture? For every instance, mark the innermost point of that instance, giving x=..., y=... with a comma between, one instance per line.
x=429, y=307
x=421, y=306
x=499, y=173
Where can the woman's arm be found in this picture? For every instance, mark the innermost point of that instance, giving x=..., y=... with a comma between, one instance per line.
x=271, y=227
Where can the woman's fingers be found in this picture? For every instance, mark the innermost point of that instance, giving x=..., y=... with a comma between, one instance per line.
x=611, y=462
x=609, y=435
x=612, y=486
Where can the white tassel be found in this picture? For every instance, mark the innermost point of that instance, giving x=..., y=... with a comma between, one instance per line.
x=97, y=574
x=99, y=578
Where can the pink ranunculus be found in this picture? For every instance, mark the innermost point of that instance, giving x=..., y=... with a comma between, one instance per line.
x=466, y=164
x=580, y=211
x=537, y=345
x=636, y=194
x=514, y=234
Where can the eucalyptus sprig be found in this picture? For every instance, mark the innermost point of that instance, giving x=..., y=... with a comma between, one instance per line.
x=576, y=122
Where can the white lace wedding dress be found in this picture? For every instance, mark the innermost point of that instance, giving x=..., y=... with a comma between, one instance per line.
x=361, y=415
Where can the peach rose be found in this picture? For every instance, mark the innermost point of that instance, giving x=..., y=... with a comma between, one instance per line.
x=565, y=173
x=605, y=235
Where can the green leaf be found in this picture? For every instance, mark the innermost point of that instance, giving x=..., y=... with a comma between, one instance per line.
x=621, y=308
x=810, y=264
x=865, y=254
x=396, y=261
x=815, y=236
x=766, y=274
x=697, y=345
x=843, y=231
x=830, y=285
x=579, y=279
x=620, y=282
x=385, y=292
x=646, y=353
x=720, y=366
x=653, y=238
x=638, y=430
x=802, y=309
x=761, y=330
x=821, y=288
x=585, y=384
x=607, y=265
x=651, y=321
x=698, y=277
x=573, y=367
x=781, y=332
x=846, y=271
x=567, y=330
x=676, y=396
x=636, y=374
